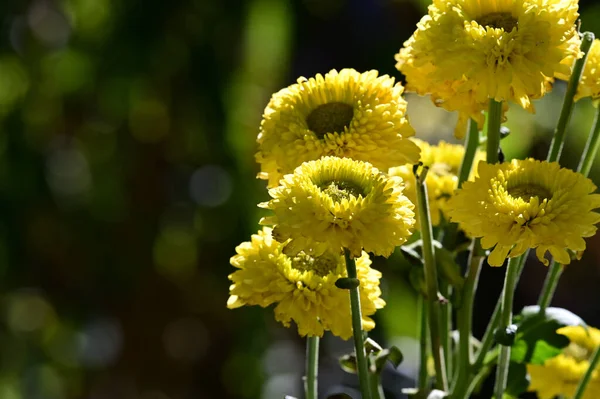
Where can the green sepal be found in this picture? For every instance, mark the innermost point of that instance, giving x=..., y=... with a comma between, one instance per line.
x=537, y=339
x=347, y=283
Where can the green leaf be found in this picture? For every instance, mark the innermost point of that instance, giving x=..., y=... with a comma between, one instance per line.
x=518, y=380
x=448, y=266
x=537, y=339
x=393, y=354
x=348, y=364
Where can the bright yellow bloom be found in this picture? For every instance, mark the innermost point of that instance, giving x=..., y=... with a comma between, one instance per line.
x=340, y=203
x=444, y=161
x=465, y=52
x=302, y=286
x=345, y=114
x=561, y=374
x=527, y=204
x=589, y=85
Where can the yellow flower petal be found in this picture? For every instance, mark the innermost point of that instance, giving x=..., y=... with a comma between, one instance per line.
x=465, y=52
x=443, y=160
x=527, y=204
x=346, y=114
x=302, y=286
x=340, y=203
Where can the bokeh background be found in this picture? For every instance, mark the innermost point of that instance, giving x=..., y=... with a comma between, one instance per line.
x=127, y=178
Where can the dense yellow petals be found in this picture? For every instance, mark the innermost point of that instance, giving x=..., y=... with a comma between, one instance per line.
x=560, y=375
x=443, y=160
x=465, y=52
x=302, y=286
x=527, y=204
x=340, y=203
x=346, y=114
x=589, y=85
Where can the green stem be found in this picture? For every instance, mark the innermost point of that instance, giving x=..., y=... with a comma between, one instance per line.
x=465, y=316
x=423, y=345
x=488, y=337
x=588, y=374
x=550, y=284
x=510, y=281
x=493, y=131
x=359, y=343
x=431, y=281
x=591, y=147
x=558, y=140
x=312, y=367
x=472, y=142
x=375, y=384
x=446, y=327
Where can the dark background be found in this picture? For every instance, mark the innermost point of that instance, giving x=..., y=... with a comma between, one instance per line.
x=127, y=178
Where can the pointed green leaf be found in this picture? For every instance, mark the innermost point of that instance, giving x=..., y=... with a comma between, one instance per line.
x=537, y=339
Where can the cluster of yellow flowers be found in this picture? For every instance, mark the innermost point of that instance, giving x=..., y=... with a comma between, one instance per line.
x=337, y=153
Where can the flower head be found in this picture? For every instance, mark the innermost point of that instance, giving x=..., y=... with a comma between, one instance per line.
x=302, y=286
x=561, y=374
x=465, y=52
x=345, y=114
x=444, y=161
x=589, y=85
x=340, y=203
x=527, y=204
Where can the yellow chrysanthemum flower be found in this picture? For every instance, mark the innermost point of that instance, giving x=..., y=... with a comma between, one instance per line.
x=444, y=161
x=465, y=52
x=527, y=204
x=589, y=85
x=340, y=203
x=346, y=114
x=561, y=374
x=303, y=286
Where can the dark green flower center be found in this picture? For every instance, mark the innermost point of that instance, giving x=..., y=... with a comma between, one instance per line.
x=330, y=118
x=527, y=191
x=320, y=265
x=499, y=20
x=338, y=190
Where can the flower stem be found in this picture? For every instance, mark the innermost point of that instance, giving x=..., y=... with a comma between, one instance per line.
x=465, y=315
x=423, y=345
x=359, y=343
x=472, y=142
x=512, y=272
x=591, y=147
x=375, y=384
x=431, y=281
x=493, y=131
x=588, y=374
x=558, y=140
x=446, y=327
x=550, y=285
x=312, y=367
x=488, y=336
